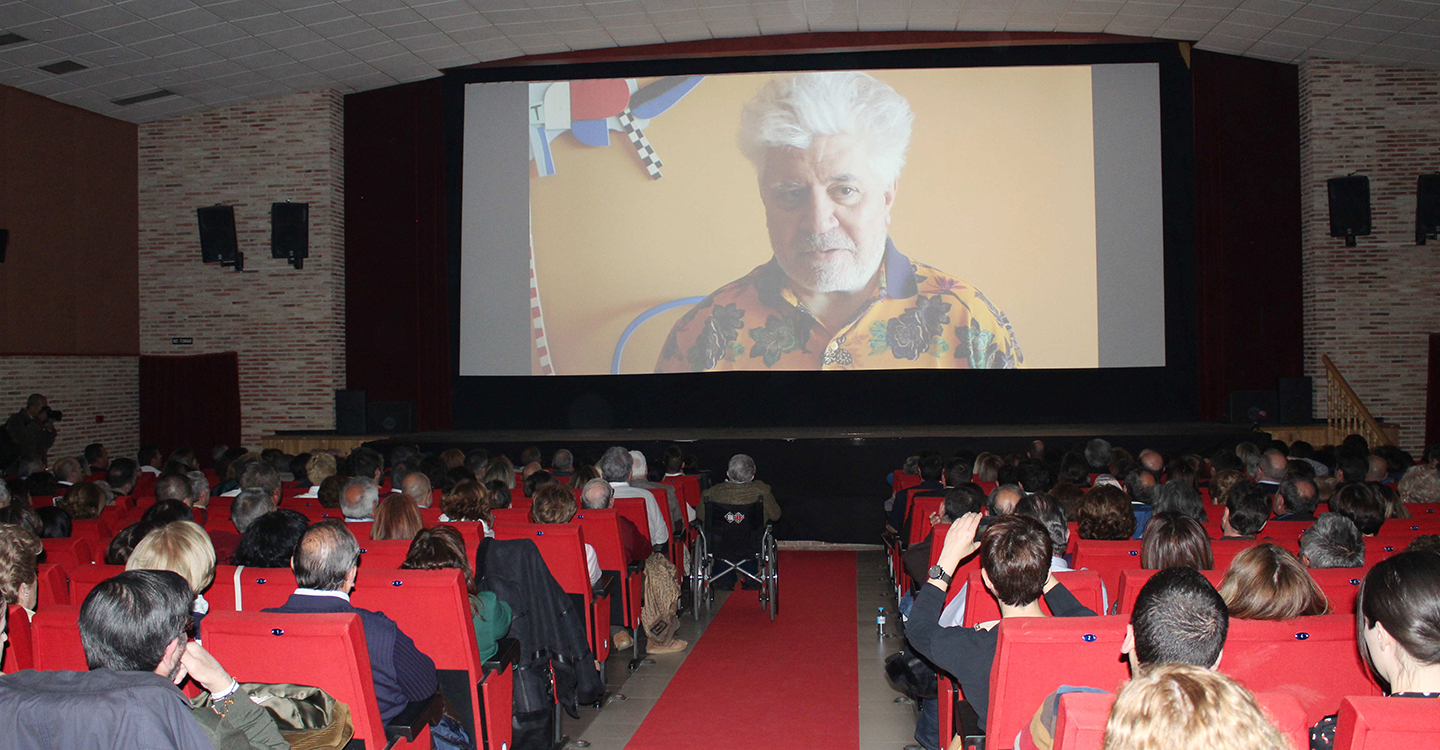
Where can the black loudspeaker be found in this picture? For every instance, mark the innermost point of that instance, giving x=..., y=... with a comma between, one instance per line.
x=1427, y=209
x=389, y=416
x=217, y=234
x=1253, y=407
x=290, y=232
x=1349, y=207
x=1296, y=405
x=4, y=242
x=350, y=412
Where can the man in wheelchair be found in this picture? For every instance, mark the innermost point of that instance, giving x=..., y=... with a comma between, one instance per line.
x=740, y=488
x=735, y=538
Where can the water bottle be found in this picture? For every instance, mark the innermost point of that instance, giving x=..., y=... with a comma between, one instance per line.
x=880, y=623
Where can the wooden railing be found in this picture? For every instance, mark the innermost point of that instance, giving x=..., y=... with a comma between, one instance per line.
x=1346, y=413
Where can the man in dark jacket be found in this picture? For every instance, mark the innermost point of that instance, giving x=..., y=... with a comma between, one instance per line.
x=132, y=627
x=31, y=429
x=324, y=565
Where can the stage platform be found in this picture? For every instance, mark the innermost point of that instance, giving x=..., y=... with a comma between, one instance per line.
x=830, y=481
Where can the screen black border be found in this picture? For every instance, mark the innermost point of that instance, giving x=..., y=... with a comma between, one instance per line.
x=860, y=398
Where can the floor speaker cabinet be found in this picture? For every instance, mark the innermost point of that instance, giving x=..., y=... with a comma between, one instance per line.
x=389, y=416
x=1253, y=407
x=1296, y=400
x=350, y=412
x=1349, y=207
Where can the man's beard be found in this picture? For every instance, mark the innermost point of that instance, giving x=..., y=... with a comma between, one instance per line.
x=846, y=270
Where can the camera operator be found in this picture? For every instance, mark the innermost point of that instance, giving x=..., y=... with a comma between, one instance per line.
x=32, y=429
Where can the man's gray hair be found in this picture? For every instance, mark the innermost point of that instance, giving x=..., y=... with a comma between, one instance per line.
x=601, y=503
x=638, y=468
x=325, y=556
x=1333, y=541
x=793, y=110
x=417, y=487
x=364, y=505
x=741, y=468
x=260, y=475
x=68, y=469
x=993, y=502
x=4, y=495
x=1098, y=454
x=249, y=505
x=616, y=464
x=200, y=485
x=563, y=460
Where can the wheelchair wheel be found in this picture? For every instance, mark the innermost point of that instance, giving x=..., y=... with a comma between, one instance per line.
x=699, y=574
x=770, y=587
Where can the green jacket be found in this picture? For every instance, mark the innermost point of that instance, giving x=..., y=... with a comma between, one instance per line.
x=247, y=726
x=741, y=493
x=490, y=626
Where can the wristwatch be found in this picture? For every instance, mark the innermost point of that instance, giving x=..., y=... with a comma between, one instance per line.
x=938, y=572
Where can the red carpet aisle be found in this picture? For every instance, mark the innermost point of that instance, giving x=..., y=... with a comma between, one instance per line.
x=757, y=685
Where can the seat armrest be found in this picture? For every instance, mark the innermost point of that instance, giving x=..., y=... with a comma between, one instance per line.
x=636, y=567
x=507, y=656
x=412, y=721
x=606, y=584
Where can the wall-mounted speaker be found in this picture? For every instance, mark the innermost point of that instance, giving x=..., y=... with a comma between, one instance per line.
x=1349, y=207
x=290, y=232
x=4, y=243
x=350, y=412
x=1427, y=208
x=217, y=234
x=1253, y=407
x=389, y=416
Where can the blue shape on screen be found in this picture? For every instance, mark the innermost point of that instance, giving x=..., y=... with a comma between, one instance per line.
x=641, y=318
x=591, y=132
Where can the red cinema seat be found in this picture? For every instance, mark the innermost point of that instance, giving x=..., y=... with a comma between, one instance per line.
x=602, y=531
x=1226, y=549
x=85, y=578
x=53, y=587
x=920, y=509
x=687, y=488
x=981, y=606
x=1382, y=546
x=988, y=487
x=431, y=516
x=510, y=515
x=361, y=529
x=323, y=650
x=55, y=635
x=1107, y=558
x=433, y=608
x=93, y=530
x=1080, y=722
x=1314, y=659
x=1341, y=585
x=1367, y=723
x=20, y=653
x=633, y=508
x=903, y=481
x=563, y=547
x=69, y=553
x=258, y=588
x=383, y=554
x=1134, y=579
x=1034, y=656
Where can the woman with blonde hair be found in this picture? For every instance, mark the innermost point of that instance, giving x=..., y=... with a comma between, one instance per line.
x=19, y=566
x=397, y=517
x=1183, y=707
x=180, y=547
x=987, y=467
x=500, y=468
x=1266, y=582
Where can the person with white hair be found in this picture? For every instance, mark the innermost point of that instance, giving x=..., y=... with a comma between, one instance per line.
x=640, y=477
x=828, y=148
x=742, y=488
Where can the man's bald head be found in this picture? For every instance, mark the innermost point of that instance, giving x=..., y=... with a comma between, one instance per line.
x=597, y=494
x=1272, y=466
x=417, y=487
x=326, y=557
x=1152, y=460
x=1004, y=499
x=359, y=498
x=1378, y=470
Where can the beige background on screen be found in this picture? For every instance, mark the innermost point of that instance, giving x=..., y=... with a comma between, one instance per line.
x=998, y=189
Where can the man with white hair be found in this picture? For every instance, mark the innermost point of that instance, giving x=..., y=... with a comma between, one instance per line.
x=742, y=488
x=640, y=477
x=416, y=486
x=616, y=466
x=837, y=293
x=358, y=499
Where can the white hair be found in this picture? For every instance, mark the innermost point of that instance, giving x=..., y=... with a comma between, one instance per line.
x=741, y=468
x=793, y=111
x=638, y=468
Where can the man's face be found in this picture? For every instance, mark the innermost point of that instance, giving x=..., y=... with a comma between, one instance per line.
x=827, y=212
x=34, y=411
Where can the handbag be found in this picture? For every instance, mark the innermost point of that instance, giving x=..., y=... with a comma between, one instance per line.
x=912, y=675
x=309, y=718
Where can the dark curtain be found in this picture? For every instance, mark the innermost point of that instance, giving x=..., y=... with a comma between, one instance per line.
x=190, y=402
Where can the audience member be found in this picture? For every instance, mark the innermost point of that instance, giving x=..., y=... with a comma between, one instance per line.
x=987, y=467
x=320, y=467
x=1106, y=514
x=555, y=503
x=19, y=571
x=397, y=517
x=562, y=464
x=534, y=480
x=1296, y=500
x=741, y=488
x=1424, y=543
x=1270, y=469
x=640, y=477
x=597, y=494
x=270, y=540
x=1420, y=484
x=1360, y=503
x=358, y=499
x=330, y=490
x=22, y=515
x=83, y=500
x=97, y=459
x=1389, y=500
x=1247, y=508
x=1332, y=542
x=1044, y=509
x=467, y=502
x=1266, y=582
x=54, y=523
x=1222, y=483
x=1172, y=540
x=324, y=566
x=174, y=486
x=443, y=547
x=616, y=466
x=181, y=547
x=499, y=493
x=931, y=468
x=31, y=430
x=1181, y=498
x=199, y=488
x=1098, y=455
x=417, y=486
x=1185, y=707
x=365, y=463
x=1398, y=619
x=132, y=628
x=148, y=459
x=67, y=471
x=1003, y=499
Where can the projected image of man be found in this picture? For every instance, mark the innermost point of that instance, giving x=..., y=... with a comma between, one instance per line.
x=837, y=293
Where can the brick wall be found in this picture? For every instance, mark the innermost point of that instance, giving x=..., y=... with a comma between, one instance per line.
x=98, y=396
x=1370, y=307
x=287, y=325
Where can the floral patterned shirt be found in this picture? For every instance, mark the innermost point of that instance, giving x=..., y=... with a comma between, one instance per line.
x=918, y=317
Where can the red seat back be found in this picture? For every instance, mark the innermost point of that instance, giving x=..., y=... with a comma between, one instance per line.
x=55, y=635
x=602, y=531
x=93, y=530
x=69, y=553
x=981, y=606
x=83, y=579
x=1034, y=656
x=1314, y=659
x=20, y=654
x=903, y=480
x=383, y=554
x=53, y=587
x=633, y=508
x=324, y=650
x=1107, y=558
x=1341, y=585
x=687, y=488
x=1368, y=723
x=920, y=510
x=259, y=588
x=563, y=547
x=1134, y=579
x=510, y=515
x=1080, y=722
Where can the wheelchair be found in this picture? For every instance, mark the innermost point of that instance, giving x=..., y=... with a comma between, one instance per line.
x=732, y=535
